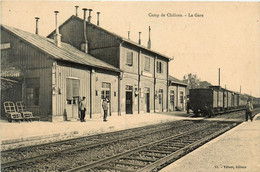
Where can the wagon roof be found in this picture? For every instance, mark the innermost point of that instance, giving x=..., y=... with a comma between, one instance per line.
x=65, y=53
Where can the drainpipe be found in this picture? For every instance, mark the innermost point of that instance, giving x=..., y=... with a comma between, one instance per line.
x=167, y=87
x=120, y=77
x=154, y=78
x=90, y=96
x=139, y=77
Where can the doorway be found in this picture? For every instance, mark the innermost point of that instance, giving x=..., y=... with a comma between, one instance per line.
x=72, y=98
x=129, y=100
x=161, y=100
x=172, y=100
x=147, y=100
x=106, y=93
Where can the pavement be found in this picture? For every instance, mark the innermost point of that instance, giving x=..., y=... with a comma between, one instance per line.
x=17, y=134
x=236, y=150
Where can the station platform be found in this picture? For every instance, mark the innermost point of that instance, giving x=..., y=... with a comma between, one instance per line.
x=37, y=132
x=236, y=150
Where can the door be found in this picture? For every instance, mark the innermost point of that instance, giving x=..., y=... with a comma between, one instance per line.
x=129, y=100
x=160, y=100
x=72, y=95
x=182, y=99
x=106, y=93
x=172, y=100
x=147, y=100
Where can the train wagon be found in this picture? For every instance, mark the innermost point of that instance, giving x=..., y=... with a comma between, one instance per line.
x=229, y=99
x=216, y=100
x=205, y=101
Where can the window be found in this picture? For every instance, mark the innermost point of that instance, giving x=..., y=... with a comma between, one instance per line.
x=147, y=64
x=33, y=91
x=129, y=88
x=181, y=97
x=160, y=96
x=72, y=89
x=172, y=96
x=159, y=67
x=129, y=58
x=105, y=93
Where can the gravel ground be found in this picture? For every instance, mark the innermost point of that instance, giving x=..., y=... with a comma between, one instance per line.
x=59, y=163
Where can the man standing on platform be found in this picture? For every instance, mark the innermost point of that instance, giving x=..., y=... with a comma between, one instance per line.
x=105, y=107
x=249, y=110
x=82, y=108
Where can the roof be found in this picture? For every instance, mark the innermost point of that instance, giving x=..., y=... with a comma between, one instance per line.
x=65, y=53
x=176, y=81
x=113, y=34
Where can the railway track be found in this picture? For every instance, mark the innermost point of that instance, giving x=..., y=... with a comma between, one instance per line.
x=18, y=156
x=238, y=114
x=129, y=158
x=154, y=155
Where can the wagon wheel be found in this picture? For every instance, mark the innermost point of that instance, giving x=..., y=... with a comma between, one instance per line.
x=9, y=120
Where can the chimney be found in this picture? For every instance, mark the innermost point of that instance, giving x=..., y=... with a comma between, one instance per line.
x=129, y=35
x=98, y=18
x=89, y=17
x=57, y=36
x=37, y=31
x=76, y=10
x=84, y=45
x=139, y=41
x=149, y=40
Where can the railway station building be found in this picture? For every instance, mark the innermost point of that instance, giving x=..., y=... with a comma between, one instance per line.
x=144, y=77
x=81, y=59
x=50, y=76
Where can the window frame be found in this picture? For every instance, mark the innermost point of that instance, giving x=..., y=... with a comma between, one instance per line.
x=159, y=67
x=181, y=97
x=106, y=87
x=32, y=96
x=147, y=68
x=130, y=54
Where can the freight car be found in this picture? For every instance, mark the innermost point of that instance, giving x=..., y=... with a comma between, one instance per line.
x=216, y=100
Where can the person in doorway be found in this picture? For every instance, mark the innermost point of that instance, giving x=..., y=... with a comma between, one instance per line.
x=249, y=110
x=105, y=108
x=82, y=109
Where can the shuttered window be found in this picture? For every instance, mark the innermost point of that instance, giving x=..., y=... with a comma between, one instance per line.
x=160, y=96
x=159, y=67
x=33, y=91
x=72, y=88
x=147, y=64
x=181, y=97
x=129, y=58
